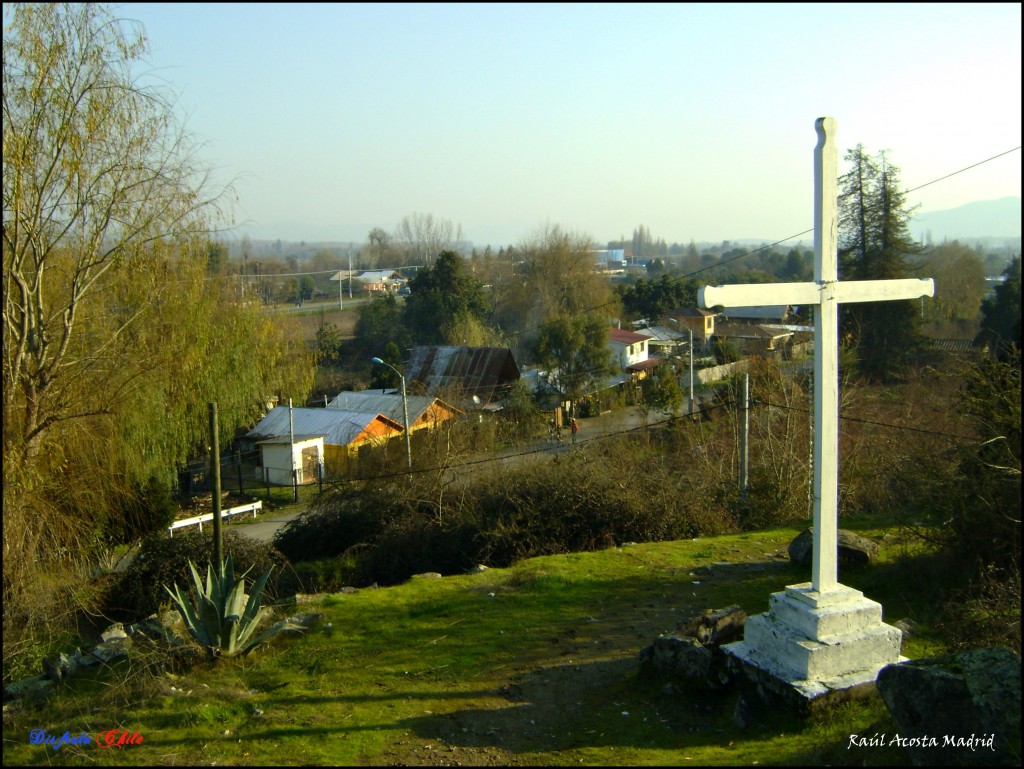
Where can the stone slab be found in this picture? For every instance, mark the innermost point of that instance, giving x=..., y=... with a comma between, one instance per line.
x=788, y=652
x=831, y=619
x=801, y=695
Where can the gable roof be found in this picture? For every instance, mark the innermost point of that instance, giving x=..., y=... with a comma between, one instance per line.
x=691, y=312
x=479, y=371
x=339, y=428
x=389, y=403
x=774, y=312
x=621, y=336
x=749, y=331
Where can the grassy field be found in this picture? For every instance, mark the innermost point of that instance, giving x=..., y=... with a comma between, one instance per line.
x=531, y=665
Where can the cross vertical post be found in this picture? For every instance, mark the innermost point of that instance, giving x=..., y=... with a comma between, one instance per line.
x=826, y=361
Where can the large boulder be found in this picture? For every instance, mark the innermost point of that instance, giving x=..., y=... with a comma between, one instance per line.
x=854, y=550
x=958, y=710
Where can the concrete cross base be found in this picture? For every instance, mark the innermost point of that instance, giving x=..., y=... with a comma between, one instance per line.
x=813, y=644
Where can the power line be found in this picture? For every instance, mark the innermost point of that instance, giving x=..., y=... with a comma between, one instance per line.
x=871, y=422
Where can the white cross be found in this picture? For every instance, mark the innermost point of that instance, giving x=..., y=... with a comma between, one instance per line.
x=826, y=292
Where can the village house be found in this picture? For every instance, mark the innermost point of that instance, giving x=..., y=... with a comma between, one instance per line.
x=471, y=377
x=373, y=282
x=339, y=432
x=425, y=412
x=700, y=322
x=630, y=352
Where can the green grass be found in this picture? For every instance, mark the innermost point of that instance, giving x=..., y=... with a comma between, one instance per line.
x=531, y=665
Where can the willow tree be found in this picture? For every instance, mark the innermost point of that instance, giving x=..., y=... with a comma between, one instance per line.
x=114, y=341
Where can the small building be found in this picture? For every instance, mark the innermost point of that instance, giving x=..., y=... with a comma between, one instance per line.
x=424, y=412
x=754, y=339
x=373, y=282
x=775, y=313
x=342, y=432
x=467, y=376
x=701, y=322
x=280, y=456
x=628, y=347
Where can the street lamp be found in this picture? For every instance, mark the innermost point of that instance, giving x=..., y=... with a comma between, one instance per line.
x=690, y=330
x=405, y=410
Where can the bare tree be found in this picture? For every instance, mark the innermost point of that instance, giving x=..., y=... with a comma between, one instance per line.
x=422, y=237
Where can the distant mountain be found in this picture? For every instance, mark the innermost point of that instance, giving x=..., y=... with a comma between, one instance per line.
x=983, y=219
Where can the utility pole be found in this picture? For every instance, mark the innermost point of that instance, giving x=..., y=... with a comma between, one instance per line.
x=690, y=410
x=218, y=543
x=745, y=439
x=291, y=452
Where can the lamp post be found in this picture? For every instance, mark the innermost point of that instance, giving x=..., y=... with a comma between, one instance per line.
x=690, y=331
x=405, y=410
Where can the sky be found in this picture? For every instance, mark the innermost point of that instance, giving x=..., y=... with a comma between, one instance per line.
x=696, y=121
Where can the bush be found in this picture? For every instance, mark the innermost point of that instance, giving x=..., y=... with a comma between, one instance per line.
x=163, y=560
x=581, y=502
x=341, y=519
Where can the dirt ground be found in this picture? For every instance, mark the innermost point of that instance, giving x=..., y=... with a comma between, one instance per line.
x=549, y=706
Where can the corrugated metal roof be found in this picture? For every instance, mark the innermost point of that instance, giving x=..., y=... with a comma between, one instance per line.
x=776, y=312
x=621, y=336
x=338, y=427
x=470, y=370
x=389, y=404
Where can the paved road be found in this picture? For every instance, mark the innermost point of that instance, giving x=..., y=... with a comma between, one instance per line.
x=265, y=529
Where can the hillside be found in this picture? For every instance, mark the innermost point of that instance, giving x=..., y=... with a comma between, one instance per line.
x=536, y=664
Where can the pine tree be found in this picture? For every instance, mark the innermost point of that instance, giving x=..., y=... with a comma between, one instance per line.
x=875, y=244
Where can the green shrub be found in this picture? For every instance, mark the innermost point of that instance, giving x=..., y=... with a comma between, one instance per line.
x=340, y=520
x=583, y=501
x=163, y=560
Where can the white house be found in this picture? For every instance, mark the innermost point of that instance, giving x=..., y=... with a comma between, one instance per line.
x=281, y=456
x=628, y=347
x=373, y=281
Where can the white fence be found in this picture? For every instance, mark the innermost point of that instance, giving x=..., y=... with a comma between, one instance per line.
x=201, y=519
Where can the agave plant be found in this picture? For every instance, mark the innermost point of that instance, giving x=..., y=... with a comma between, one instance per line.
x=224, y=618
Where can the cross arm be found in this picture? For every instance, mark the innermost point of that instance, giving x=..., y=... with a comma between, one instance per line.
x=814, y=293
x=757, y=294
x=882, y=290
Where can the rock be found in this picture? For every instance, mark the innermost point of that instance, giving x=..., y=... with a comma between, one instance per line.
x=478, y=568
x=152, y=630
x=28, y=687
x=854, y=550
x=63, y=666
x=675, y=656
x=972, y=697
x=114, y=631
x=427, y=575
x=716, y=627
x=113, y=649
